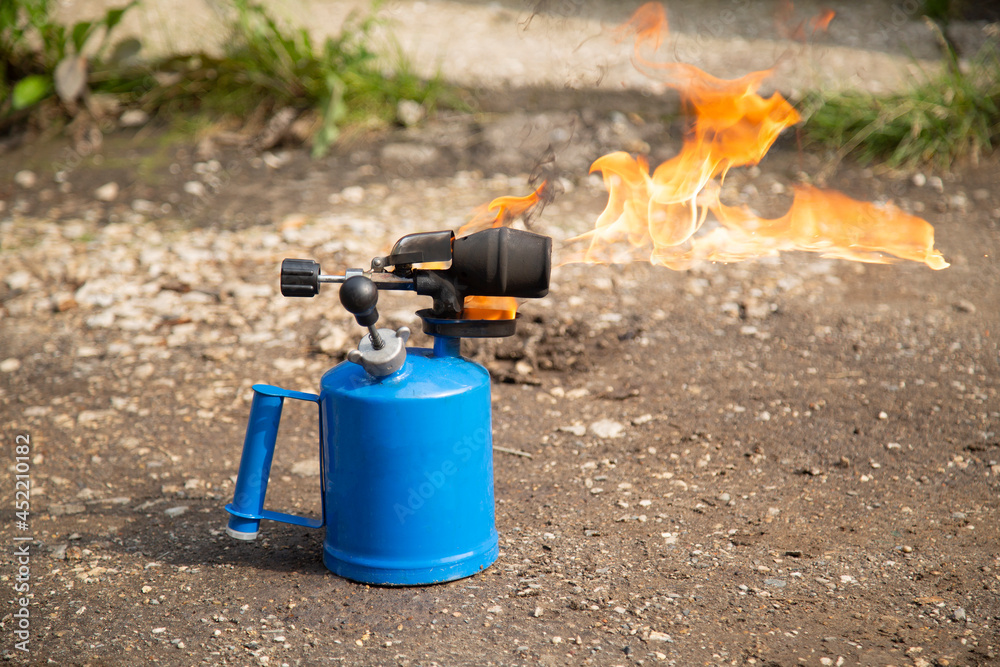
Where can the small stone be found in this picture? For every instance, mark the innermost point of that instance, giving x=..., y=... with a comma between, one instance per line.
x=538, y=612
x=276, y=160
x=143, y=206
x=407, y=158
x=776, y=583
x=958, y=614
x=195, y=188
x=656, y=636
x=410, y=112
x=63, y=301
x=557, y=640
x=335, y=342
x=644, y=419
x=964, y=306
x=10, y=365
x=826, y=661
x=26, y=179
x=354, y=194
x=175, y=511
x=495, y=609
x=723, y=497
x=936, y=183
x=147, y=589
x=107, y=192
x=906, y=549
x=696, y=286
x=133, y=118
x=19, y=280
x=883, y=415
x=578, y=430
x=919, y=180
x=607, y=428
x=620, y=610
x=306, y=468
x=61, y=509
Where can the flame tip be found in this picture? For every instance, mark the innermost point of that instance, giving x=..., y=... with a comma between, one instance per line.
x=661, y=213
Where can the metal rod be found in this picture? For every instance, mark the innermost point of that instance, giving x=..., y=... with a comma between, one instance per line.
x=376, y=337
x=385, y=281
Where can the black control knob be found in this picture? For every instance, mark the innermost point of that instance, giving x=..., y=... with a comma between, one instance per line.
x=299, y=277
x=359, y=296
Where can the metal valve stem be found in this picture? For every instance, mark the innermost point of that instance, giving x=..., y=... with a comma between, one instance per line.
x=376, y=337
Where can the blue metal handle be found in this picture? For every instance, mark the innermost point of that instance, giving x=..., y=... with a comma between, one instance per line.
x=247, y=508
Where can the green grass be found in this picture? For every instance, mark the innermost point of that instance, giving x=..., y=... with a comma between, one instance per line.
x=266, y=66
x=940, y=10
x=344, y=78
x=33, y=48
x=950, y=116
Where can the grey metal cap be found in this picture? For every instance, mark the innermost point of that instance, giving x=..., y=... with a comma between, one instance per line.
x=383, y=361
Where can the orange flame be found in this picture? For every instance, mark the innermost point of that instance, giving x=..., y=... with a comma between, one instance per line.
x=833, y=224
x=500, y=212
x=821, y=22
x=732, y=125
x=504, y=210
x=659, y=216
x=784, y=19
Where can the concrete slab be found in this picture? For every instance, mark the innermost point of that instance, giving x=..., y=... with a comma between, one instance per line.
x=876, y=46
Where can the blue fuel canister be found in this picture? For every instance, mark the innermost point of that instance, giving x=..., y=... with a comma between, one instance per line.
x=405, y=434
x=409, y=469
